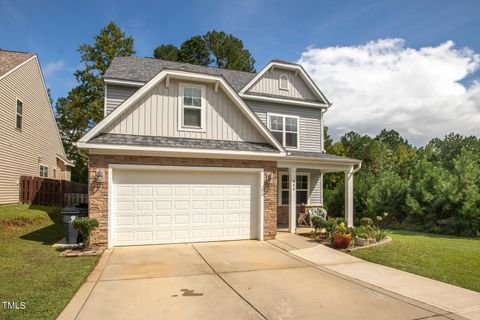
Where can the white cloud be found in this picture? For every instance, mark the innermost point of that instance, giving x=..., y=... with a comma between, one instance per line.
x=52, y=67
x=384, y=84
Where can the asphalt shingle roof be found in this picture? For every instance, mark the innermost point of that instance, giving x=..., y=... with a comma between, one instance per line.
x=144, y=69
x=11, y=59
x=125, y=139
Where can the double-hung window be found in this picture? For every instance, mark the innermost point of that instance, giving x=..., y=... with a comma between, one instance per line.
x=19, y=115
x=192, y=107
x=301, y=188
x=285, y=129
x=43, y=171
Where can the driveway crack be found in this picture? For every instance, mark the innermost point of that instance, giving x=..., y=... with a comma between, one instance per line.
x=233, y=289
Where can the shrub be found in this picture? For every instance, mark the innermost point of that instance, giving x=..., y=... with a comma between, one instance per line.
x=85, y=226
x=366, y=221
x=380, y=234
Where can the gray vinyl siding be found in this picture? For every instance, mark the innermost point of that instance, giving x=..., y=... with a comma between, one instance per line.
x=115, y=95
x=37, y=142
x=310, y=121
x=315, y=185
x=269, y=84
x=156, y=114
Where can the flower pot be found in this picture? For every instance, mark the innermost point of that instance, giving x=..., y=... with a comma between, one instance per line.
x=361, y=242
x=342, y=240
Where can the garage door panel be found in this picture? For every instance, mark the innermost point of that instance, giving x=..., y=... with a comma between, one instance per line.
x=167, y=207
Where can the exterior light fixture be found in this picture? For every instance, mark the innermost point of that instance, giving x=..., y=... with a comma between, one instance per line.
x=99, y=176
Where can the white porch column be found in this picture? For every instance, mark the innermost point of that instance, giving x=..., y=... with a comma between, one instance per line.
x=292, y=200
x=349, y=196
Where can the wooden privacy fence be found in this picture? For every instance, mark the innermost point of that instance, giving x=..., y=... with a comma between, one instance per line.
x=52, y=192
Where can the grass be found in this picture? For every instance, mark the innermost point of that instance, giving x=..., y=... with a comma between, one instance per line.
x=31, y=269
x=453, y=260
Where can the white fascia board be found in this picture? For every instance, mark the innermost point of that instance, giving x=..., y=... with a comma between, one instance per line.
x=183, y=75
x=284, y=101
x=299, y=68
x=17, y=67
x=130, y=83
x=168, y=151
x=324, y=165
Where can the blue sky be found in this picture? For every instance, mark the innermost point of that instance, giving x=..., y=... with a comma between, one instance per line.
x=269, y=29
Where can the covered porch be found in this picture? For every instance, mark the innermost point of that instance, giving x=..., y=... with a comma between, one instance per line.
x=300, y=185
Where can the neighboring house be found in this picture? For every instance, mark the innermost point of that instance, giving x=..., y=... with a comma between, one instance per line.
x=30, y=143
x=190, y=153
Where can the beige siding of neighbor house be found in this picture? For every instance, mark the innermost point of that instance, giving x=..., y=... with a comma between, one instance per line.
x=115, y=95
x=38, y=142
x=315, y=184
x=269, y=83
x=156, y=114
x=310, y=120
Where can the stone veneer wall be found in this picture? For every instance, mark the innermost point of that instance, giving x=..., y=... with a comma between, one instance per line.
x=98, y=192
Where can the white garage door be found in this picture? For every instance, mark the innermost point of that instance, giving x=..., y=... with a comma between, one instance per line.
x=169, y=206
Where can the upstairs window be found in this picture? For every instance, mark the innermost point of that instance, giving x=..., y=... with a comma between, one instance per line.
x=43, y=171
x=192, y=108
x=19, y=115
x=285, y=129
x=283, y=83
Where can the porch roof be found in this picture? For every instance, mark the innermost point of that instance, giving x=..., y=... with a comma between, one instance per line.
x=323, y=161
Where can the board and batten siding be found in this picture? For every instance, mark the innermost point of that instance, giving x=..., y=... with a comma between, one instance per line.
x=269, y=83
x=315, y=184
x=157, y=112
x=115, y=95
x=310, y=120
x=38, y=142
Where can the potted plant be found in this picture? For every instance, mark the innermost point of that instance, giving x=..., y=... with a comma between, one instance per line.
x=361, y=237
x=342, y=237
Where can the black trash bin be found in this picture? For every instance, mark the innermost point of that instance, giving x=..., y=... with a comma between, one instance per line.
x=69, y=215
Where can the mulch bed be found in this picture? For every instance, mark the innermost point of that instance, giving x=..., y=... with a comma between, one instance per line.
x=321, y=238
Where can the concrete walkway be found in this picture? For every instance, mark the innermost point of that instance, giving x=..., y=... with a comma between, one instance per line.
x=233, y=280
x=462, y=302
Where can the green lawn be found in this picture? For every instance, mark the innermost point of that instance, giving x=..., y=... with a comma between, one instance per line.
x=31, y=269
x=453, y=260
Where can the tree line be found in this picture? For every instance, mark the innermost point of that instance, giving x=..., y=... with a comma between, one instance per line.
x=433, y=188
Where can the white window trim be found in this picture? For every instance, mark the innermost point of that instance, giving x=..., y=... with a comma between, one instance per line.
x=269, y=115
x=40, y=171
x=280, y=189
x=17, y=114
x=181, y=127
x=283, y=75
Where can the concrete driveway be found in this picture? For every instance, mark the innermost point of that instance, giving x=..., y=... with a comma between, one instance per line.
x=230, y=280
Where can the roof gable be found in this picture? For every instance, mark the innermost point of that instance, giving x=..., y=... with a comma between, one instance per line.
x=300, y=86
x=189, y=76
x=157, y=113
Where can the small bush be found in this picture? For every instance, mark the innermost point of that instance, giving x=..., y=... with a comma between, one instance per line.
x=366, y=221
x=85, y=226
x=380, y=234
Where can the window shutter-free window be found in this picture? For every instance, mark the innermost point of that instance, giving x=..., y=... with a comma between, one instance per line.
x=285, y=130
x=19, y=115
x=192, y=107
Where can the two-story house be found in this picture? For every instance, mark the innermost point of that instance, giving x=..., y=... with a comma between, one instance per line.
x=188, y=153
x=30, y=143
